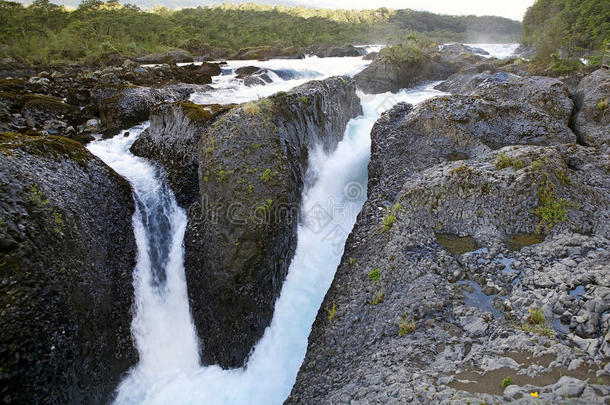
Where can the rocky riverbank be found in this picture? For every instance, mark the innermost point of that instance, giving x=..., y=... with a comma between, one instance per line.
x=478, y=268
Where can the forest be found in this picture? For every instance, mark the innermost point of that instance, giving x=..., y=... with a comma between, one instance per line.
x=572, y=26
x=44, y=33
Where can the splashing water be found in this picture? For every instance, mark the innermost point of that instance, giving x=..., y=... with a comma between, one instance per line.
x=169, y=370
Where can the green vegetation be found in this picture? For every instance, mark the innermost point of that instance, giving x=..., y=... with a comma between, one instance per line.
x=536, y=323
x=602, y=105
x=571, y=25
x=503, y=161
x=536, y=316
x=506, y=382
x=551, y=210
x=352, y=261
x=267, y=175
x=390, y=217
x=251, y=108
x=378, y=297
x=331, y=312
x=47, y=33
x=563, y=177
x=375, y=274
x=405, y=327
x=304, y=99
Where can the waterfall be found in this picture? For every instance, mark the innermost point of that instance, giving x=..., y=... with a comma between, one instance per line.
x=168, y=370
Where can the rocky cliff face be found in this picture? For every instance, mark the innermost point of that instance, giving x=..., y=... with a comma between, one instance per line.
x=67, y=252
x=252, y=162
x=469, y=264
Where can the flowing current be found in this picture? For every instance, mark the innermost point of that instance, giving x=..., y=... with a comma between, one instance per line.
x=169, y=371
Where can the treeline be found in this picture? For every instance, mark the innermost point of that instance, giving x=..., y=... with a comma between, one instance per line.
x=47, y=33
x=569, y=27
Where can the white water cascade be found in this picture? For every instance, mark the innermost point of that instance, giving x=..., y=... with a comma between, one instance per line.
x=168, y=371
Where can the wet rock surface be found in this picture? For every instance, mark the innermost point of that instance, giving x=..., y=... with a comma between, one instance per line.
x=242, y=231
x=492, y=250
x=67, y=252
x=592, y=113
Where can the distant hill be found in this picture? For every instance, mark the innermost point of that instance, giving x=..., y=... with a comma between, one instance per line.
x=44, y=32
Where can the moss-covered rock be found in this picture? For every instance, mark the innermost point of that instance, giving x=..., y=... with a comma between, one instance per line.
x=67, y=252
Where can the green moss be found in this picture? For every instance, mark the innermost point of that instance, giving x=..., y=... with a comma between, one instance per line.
x=375, y=274
x=267, y=175
x=405, y=327
x=352, y=261
x=602, y=105
x=304, y=99
x=45, y=146
x=503, y=161
x=201, y=113
x=37, y=197
x=331, y=312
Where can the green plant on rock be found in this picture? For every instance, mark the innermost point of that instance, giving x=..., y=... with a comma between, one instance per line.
x=563, y=177
x=390, y=217
x=536, y=316
x=375, y=274
x=405, y=327
x=352, y=261
x=506, y=382
x=602, y=105
x=536, y=323
x=304, y=99
x=503, y=161
x=267, y=175
x=378, y=297
x=551, y=210
x=37, y=197
x=331, y=312
x=251, y=108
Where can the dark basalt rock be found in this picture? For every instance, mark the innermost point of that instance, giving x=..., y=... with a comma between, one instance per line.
x=416, y=343
x=329, y=51
x=386, y=74
x=67, y=252
x=591, y=120
x=171, y=140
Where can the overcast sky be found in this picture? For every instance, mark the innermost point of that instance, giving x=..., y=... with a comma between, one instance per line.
x=513, y=9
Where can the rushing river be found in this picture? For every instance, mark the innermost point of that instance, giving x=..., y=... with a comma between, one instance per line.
x=169, y=371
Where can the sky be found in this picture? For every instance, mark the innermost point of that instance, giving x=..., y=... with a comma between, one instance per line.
x=513, y=9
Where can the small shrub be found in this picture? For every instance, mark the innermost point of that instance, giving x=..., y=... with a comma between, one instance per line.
x=536, y=316
x=375, y=275
x=506, y=382
x=518, y=164
x=405, y=327
x=209, y=150
x=390, y=217
x=378, y=298
x=537, y=165
x=304, y=99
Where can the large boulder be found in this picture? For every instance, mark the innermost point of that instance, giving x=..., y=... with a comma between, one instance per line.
x=122, y=106
x=592, y=112
x=464, y=264
x=171, y=140
x=403, y=66
x=67, y=252
x=548, y=95
x=241, y=234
